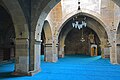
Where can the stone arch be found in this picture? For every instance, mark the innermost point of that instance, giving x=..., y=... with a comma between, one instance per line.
x=47, y=31
x=85, y=12
x=62, y=37
x=48, y=41
x=21, y=33
x=102, y=32
x=7, y=35
x=90, y=26
x=18, y=18
x=38, y=16
x=41, y=16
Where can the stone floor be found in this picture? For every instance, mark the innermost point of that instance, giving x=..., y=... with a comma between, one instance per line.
x=74, y=67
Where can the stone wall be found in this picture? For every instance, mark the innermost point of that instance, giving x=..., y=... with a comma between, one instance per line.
x=73, y=45
x=55, y=16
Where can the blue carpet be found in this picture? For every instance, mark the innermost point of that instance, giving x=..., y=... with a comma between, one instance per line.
x=69, y=68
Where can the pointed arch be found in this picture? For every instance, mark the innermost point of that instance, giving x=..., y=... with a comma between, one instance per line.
x=38, y=20
x=85, y=12
x=18, y=18
x=47, y=31
x=101, y=29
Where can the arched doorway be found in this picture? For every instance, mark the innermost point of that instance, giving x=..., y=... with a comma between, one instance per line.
x=7, y=36
x=46, y=45
x=93, y=26
x=21, y=35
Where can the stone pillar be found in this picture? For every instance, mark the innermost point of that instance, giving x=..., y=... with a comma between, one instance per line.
x=21, y=56
x=37, y=57
x=50, y=52
x=112, y=53
x=61, y=49
x=61, y=52
x=48, y=55
x=107, y=52
x=55, y=53
x=35, y=47
x=102, y=45
x=27, y=56
x=105, y=48
x=32, y=50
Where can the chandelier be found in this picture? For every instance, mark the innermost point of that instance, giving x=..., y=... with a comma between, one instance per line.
x=78, y=23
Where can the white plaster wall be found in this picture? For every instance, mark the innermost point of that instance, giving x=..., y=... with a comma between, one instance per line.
x=69, y=6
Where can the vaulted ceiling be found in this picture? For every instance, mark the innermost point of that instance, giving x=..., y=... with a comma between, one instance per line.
x=117, y=2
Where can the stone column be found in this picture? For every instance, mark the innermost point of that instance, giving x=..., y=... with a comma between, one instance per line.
x=62, y=45
x=35, y=47
x=55, y=52
x=21, y=56
x=105, y=48
x=27, y=56
x=61, y=51
x=102, y=45
x=37, y=57
x=107, y=52
x=112, y=53
x=48, y=52
x=113, y=57
x=32, y=50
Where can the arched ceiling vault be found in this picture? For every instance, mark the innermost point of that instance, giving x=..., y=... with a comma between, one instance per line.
x=91, y=23
x=100, y=27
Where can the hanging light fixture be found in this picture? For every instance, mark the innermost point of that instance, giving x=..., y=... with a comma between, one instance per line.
x=77, y=23
x=82, y=38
